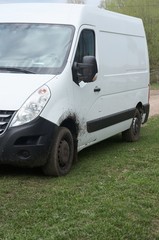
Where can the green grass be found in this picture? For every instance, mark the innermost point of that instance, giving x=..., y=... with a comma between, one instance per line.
x=154, y=86
x=112, y=193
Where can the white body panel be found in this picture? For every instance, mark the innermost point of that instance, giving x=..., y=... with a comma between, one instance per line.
x=123, y=69
x=16, y=88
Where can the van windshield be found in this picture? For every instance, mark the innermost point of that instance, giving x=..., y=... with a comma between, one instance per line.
x=34, y=48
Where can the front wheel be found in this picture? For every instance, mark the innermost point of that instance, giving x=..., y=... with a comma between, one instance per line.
x=61, y=156
x=133, y=133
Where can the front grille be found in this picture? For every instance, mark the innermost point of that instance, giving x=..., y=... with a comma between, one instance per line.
x=5, y=117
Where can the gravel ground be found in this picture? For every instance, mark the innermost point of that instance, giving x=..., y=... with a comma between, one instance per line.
x=154, y=102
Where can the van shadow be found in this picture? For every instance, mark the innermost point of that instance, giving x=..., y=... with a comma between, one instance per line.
x=103, y=146
x=7, y=170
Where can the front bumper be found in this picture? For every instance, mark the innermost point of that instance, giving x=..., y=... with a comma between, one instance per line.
x=27, y=145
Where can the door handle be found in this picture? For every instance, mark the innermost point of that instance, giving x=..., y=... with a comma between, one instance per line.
x=97, y=89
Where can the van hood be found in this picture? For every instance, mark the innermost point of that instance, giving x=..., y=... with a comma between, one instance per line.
x=16, y=88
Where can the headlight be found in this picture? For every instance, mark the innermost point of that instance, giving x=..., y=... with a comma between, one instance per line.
x=32, y=107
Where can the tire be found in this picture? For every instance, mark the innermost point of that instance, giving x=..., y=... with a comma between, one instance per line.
x=133, y=133
x=61, y=156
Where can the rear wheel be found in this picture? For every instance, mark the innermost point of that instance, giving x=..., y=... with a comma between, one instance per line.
x=61, y=156
x=133, y=133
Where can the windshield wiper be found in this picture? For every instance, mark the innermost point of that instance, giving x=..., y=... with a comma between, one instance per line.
x=16, y=70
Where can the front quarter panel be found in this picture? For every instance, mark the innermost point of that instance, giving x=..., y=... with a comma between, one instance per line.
x=60, y=105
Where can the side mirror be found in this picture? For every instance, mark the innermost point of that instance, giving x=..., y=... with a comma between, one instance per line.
x=86, y=70
x=90, y=68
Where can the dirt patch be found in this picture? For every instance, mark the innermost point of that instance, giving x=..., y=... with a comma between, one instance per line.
x=154, y=102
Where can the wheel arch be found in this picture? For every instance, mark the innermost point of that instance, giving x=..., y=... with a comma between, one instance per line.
x=142, y=111
x=72, y=124
x=140, y=107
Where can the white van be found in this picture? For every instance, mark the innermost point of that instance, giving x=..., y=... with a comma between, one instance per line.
x=70, y=76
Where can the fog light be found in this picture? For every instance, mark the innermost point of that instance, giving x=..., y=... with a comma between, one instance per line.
x=23, y=154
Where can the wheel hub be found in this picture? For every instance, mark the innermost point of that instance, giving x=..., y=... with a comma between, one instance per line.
x=64, y=152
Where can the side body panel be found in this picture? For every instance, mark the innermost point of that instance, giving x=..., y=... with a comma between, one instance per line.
x=123, y=80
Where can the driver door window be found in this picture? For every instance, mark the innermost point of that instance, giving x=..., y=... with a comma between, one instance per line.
x=86, y=47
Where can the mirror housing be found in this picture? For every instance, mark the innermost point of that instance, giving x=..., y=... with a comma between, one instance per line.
x=86, y=70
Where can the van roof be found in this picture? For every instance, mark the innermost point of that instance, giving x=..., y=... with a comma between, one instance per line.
x=73, y=14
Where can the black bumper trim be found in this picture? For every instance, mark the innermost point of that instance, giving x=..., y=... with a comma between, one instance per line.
x=29, y=144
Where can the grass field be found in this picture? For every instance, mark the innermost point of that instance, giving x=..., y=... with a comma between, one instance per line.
x=112, y=193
